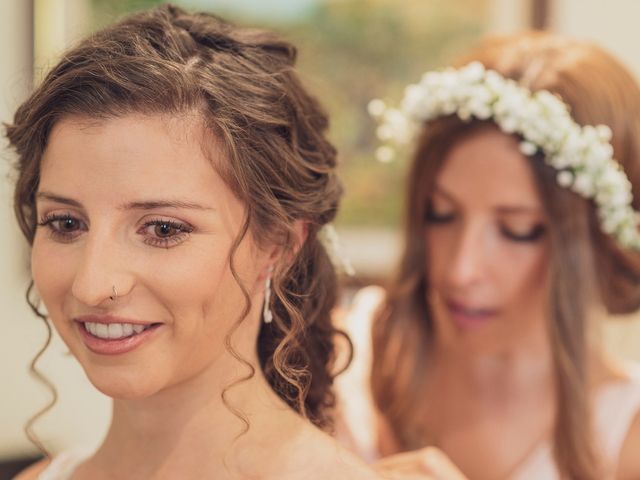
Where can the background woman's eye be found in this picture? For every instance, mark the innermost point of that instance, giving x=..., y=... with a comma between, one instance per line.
x=524, y=235
x=434, y=215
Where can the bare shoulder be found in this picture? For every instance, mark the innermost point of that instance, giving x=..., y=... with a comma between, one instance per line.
x=629, y=460
x=327, y=459
x=33, y=471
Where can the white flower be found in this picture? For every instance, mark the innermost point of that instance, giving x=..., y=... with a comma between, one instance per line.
x=331, y=242
x=583, y=185
x=528, y=148
x=376, y=107
x=385, y=154
x=565, y=178
x=473, y=72
x=604, y=132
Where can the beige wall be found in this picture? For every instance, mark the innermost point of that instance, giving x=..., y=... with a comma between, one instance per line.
x=611, y=23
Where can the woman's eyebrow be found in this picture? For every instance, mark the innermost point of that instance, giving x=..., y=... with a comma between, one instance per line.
x=520, y=209
x=502, y=209
x=58, y=199
x=153, y=204
x=137, y=205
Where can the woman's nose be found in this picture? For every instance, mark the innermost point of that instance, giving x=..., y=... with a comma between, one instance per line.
x=102, y=273
x=467, y=257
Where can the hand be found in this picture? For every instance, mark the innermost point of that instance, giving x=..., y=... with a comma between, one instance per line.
x=428, y=463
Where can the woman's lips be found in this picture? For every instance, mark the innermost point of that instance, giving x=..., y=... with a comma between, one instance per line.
x=469, y=317
x=94, y=331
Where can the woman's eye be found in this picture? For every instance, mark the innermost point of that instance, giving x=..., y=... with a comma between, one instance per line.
x=439, y=216
x=63, y=227
x=524, y=235
x=165, y=233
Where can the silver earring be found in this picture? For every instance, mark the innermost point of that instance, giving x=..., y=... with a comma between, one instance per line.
x=267, y=315
x=115, y=293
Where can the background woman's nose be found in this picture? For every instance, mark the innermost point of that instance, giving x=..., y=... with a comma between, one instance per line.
x=467, y=257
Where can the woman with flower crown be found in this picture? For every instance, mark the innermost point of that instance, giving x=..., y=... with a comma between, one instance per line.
x=522, y=231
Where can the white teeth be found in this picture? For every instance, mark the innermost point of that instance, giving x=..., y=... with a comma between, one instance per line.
x=113, y=331
x=102, y=330
x=91, y=327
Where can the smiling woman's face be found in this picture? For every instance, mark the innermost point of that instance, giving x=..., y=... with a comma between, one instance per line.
x=487, y=245
x=131, y=208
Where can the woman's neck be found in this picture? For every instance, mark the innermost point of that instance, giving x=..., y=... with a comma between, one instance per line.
x=524, y=361
x=211, y=422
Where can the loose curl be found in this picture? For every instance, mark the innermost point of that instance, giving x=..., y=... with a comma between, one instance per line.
x=242, y=84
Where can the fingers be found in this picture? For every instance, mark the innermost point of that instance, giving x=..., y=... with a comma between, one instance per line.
x=427, y=463
x=439, y=465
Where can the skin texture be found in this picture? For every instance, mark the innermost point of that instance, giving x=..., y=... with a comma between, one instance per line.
x=104, y=202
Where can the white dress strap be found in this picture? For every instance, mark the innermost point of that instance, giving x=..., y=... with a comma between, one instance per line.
x=356, y=417
x=63, y=465
x=615, y=407
x=539, y=465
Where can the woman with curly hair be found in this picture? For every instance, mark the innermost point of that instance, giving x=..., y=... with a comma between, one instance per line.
x=174, y=180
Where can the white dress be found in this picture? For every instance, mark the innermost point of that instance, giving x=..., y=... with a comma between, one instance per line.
x=615, y=404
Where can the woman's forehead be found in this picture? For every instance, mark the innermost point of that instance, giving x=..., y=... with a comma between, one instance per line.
x=487, y=166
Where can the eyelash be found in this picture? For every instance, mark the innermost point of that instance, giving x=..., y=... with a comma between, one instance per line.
x=55, y=232
x=536, y=232
x=433, y=217
x=182, y=230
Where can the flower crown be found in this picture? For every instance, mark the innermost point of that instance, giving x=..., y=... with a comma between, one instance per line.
x=583, y=155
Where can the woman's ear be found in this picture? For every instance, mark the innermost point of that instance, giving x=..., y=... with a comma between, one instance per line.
x=300, y=232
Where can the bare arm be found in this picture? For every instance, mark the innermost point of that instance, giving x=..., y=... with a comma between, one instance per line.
x=427, y=463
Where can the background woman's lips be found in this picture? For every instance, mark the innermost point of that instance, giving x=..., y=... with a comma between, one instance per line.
x=469, y=317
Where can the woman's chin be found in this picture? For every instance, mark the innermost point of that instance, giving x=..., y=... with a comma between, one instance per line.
x=122, y=387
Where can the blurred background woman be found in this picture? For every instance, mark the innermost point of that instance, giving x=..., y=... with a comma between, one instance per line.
x=483, y=343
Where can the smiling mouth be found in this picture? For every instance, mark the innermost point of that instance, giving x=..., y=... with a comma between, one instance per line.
x=116, y=331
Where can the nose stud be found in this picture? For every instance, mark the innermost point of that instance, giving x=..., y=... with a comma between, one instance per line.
x=115, y=293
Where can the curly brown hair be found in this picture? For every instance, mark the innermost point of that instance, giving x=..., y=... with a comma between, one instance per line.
x=243, y=85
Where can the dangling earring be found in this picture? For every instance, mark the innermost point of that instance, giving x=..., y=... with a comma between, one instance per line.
x=267, y=315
